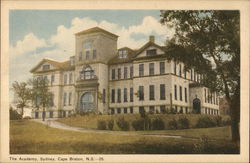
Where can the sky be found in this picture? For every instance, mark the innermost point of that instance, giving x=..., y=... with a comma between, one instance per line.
x=38, y=34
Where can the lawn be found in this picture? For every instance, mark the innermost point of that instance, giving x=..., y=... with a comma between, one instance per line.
x=29, y=137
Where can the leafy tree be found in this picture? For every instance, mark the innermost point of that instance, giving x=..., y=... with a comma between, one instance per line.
x=209, y=41
x=23, y=94
x=40, y=95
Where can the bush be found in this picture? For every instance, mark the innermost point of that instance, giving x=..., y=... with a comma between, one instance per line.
x=27, y=117
x=183, y=123
x=138, y=124
x=173, y=125
x=14, y=115
x=202, y=146
x=218, y=120
x=226, y=122
x=158, y=124
x=101, y=125
x=205, y=122
x=111, y=124
x=122, y=124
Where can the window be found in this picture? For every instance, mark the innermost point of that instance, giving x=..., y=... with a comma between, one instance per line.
x=52, y=78
x=125, y=73
x=141, y=93
x=141, y=109
x=88, y=73
x=131, y=72
x=175, y=68
x=205, y=91
x=185, y=74
x=141, y=69
x=162, y=67
x=151, y=108
x=180, y=93
x=94, y=54
x=70, y=78
x=180, y=70
x=176, y=108
x=104, y=96
x=112, y=110
x=122, y=53
x=51, y=102
x=125, y=96
x=186, y=110
x=175, y=92
x=181, y=110
x=46, y=67
x=119, y=73
x=70, y=94
x=162, y=92
x=87, y=54
x=113, y=96
x=194, y=76
x=131, y=95
x=151, y=52
x=118, y=95
x=185, y=94
x=131, y=109
x=80, y=56
x=45, y=78
x=151, y=68
x=125, y=110
x=51, y=114
x=65, y=78
x=151, y=92
x=162, y=108
x=191, y=74
x=113, y=74
x=64, y=98
x=119, y=110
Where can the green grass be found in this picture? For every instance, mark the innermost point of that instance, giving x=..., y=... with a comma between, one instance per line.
x=29, y=137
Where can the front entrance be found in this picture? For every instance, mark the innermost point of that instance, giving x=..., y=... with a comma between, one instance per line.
x=197, y=106
x=87, y=102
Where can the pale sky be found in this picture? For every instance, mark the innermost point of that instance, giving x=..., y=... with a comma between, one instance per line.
x=38, y=34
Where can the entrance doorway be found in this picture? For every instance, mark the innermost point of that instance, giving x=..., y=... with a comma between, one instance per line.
x=197, y=106
x=87, y=102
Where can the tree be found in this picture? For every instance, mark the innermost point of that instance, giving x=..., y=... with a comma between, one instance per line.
x=40, y=95
x=209, y=41
x=23, y=94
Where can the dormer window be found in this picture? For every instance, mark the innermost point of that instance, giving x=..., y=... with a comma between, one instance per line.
x=46, y=67
x=151, y=52
x=123, y=53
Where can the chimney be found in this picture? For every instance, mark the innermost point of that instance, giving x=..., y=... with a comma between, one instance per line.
x=152, y=39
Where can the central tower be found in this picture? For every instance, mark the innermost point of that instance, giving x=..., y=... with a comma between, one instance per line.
x=94, y=48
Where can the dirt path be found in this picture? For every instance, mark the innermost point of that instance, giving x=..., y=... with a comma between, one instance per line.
x=54, y=124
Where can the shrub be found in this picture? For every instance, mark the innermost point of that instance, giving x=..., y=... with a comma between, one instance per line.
x=151, y=112
x=158, y=124
x=226, y=122
x=202, y=146
x=27, y=117
x=122, y=124
x=183, y=123
x=101, y=125
x=205, y=122
x=172, y=111
x=111, y=124
x=164, y=111
x=14, y=115
x=173, y=125
x=218, y=120
x=138, y=124
x=157, y=112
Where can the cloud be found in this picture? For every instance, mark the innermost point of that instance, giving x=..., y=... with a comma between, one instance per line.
x=29, y=43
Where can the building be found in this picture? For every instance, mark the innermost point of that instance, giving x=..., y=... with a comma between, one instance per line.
x=101, y=78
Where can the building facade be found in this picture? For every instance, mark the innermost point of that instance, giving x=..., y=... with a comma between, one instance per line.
x=102, y=78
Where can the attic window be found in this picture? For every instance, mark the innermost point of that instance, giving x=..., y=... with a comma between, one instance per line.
x=123, y=53
x=151, y=52
x=46, y=67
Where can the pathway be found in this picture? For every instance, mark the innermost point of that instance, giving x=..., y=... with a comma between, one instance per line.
x=54, y=124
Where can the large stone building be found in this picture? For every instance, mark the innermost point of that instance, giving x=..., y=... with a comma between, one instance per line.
x=101, y=78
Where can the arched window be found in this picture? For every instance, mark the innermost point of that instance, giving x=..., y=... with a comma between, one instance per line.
x=87, y=73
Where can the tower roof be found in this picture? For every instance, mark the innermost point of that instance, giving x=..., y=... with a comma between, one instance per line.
x=95, y=29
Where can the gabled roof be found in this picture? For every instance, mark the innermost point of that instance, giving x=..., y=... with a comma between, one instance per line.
x=58, y=65
x=148, y=44
x=94, y=30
